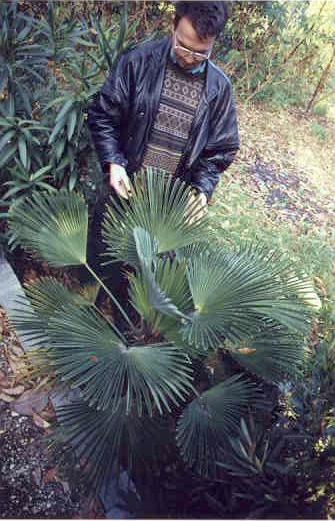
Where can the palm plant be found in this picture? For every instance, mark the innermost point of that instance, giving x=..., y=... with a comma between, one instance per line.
x=239, y=313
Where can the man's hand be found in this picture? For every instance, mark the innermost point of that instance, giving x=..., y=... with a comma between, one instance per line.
x=119, y=180
x=196, y=207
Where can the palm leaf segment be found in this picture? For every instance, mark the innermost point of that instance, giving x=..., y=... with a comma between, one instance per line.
x=86, y=352
x=234, y=292
x=52, y=225
x=159, y=206
x=44, y=297
x=209, y=419
x=108, y=441
x=272, y=353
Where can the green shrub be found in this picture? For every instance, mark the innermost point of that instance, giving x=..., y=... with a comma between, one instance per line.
x=50, y=69
x=321, y=109
x=319, y=131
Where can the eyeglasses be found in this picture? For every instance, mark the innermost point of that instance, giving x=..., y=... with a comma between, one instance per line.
x=199, y=56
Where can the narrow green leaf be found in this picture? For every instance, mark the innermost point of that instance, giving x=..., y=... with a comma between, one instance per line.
x=71, y=124
x=5, y=140
x=57, y=129
x=40, y=173
x=23, y=151
x=66, y=108
x=7, y=155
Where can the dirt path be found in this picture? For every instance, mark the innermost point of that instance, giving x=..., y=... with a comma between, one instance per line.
x=286, y=166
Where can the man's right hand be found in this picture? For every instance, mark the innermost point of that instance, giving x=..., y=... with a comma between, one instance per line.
x=119, y=180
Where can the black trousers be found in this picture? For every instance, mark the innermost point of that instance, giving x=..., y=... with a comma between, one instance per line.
x=113, y=274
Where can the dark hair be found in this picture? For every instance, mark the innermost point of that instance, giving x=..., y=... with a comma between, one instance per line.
x=207, y=18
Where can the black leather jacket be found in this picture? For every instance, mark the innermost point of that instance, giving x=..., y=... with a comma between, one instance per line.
x=123, y=111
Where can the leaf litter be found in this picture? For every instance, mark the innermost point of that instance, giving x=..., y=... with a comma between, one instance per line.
x=34, y=483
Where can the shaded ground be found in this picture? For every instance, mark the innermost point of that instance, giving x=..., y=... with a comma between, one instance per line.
x=28, y=487
x=286, y=167
x=33, y=483
x=289, y=195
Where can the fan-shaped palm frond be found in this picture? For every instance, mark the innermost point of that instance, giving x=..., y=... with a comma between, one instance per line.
x=107, y=440
x=165, y=300
x=208, y=419
x=159, y=205
x=194, y=250
x=86, y=352
x=233, y=293
x=271, y=353
x=45, y=296
x=293, y=276
x=146, y=248
x=52, y=225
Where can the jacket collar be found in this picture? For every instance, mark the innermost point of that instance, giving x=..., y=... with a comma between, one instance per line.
x=160, y=53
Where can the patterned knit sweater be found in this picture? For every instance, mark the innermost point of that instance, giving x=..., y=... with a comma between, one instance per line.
x=178, y=103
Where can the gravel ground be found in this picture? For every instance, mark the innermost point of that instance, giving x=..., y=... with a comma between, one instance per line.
x=34, y=482
x=28, y=488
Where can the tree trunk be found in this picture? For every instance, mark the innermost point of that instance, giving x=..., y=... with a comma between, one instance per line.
x=322, y=81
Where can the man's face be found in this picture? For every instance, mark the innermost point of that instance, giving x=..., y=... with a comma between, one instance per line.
x=184, y=40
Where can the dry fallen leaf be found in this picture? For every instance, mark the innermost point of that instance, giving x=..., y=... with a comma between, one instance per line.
x=16, y=349
x=14, y=391
x=37, y=475
x=17, y=364
x=31, y=401
x=4, y=381
x=40, y=422
x=246, y=351
x=50, y=475
x=6, y=398
x=320, y=286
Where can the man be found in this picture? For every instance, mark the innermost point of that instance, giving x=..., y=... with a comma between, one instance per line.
x=166, y=105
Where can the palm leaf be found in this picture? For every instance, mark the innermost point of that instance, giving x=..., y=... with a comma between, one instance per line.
x=159, y=206
x=271, y=354
x=52, y=225
x=209, y=419
x=291, y=275
x=233, y=291
x=108, y=441
x=86, y=352
x=164, y=302
x=44, y=297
